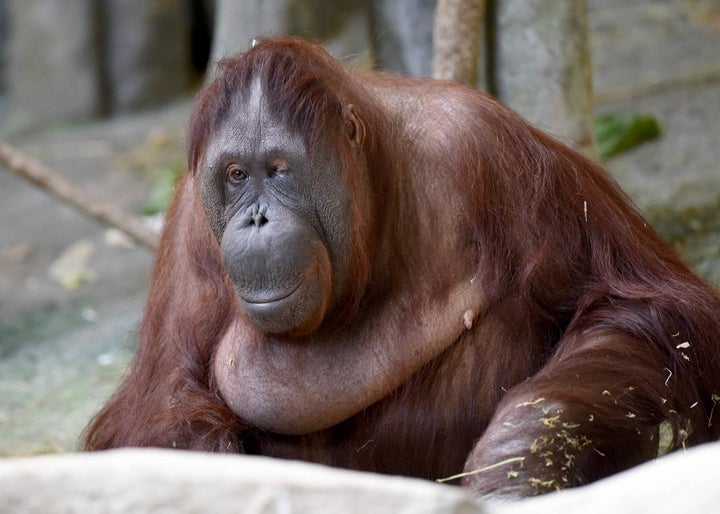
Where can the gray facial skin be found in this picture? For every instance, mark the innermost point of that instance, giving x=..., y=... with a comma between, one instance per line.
x=277, y=209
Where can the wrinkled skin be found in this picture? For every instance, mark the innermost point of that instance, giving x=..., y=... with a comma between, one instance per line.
x=277, y=212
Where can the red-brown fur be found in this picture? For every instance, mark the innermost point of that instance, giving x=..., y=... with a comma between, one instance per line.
x=574, y=360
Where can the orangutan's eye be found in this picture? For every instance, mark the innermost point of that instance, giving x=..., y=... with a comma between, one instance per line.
x=236, y=175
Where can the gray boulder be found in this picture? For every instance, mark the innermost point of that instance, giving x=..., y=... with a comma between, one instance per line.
x=169, y=481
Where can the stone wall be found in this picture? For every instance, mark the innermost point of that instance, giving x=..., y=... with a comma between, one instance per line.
x=4, y=28
x=54, y=56
x=91, y=57
x=81, y=59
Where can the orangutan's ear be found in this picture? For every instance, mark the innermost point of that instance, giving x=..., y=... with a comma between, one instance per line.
x=354, y=128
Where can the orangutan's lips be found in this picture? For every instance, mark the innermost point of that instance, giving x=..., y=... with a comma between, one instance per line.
x=270, y=299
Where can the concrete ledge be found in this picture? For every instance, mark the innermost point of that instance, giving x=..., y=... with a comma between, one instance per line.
x=171, y=481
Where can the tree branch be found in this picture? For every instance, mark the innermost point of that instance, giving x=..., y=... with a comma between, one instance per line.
x=58, y=186
x=456, y=40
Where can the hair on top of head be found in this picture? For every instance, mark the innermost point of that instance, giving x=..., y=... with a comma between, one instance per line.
x=302, y=84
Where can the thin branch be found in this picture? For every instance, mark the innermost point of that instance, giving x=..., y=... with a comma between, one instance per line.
x=58, y=186
x=456, y=40
x=481, y=470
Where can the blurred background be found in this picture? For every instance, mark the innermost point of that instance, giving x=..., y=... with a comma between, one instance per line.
x=100, y=91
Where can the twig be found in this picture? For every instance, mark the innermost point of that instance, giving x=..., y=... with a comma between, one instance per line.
x=481, y=470
x=58, y=186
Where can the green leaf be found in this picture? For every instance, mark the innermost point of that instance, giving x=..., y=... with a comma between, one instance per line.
x=162, y=190
x=619, y=132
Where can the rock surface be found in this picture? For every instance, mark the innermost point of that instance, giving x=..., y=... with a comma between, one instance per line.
x=147, y=53
x=171, y=481
x=54, y=59
x=543, y=67
x=168, y=481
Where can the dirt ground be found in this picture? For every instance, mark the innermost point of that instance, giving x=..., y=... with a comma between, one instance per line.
x=63, y=350
x=64, y=346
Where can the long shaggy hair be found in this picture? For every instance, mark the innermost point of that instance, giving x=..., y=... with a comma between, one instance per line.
x=587, y=309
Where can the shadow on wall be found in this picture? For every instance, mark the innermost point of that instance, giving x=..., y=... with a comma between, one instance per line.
x=84, y=59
